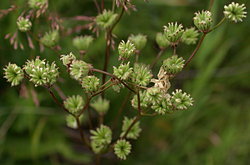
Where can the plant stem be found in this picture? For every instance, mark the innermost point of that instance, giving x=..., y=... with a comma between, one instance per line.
x=83, y=138
x=157, y=58
x=113, y=76
x=124, y=103
x=196, y=49
x=108, y=44
x=216, y=26
x=210, y=4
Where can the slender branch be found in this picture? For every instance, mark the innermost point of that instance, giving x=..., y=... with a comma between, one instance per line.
x=137, y=118
x=111, y=75
x=216, y=26
x=121, y=109
x=210, y=4
x=90, y=117
x=196, y=49
x=97, y=6
x=102, y=5
x=57, y=101
x=157, y=58
x=83, y=138
x=59, y=91
x=108, y=44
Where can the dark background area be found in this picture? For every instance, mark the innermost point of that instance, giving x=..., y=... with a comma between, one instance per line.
x=214, y=131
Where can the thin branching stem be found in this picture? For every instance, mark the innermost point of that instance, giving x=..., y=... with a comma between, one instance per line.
x=83, y=138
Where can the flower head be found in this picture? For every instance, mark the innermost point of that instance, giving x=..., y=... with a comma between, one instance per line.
x=101, y=105
x=74, y=104
x=163, y=106
x=134, y=132
x=161, y=40
x=126, y=49
x=138, y=40
x=50, y=39
x=203, y=20
x=141, y=75
x=68, y=59
x=71, y=121
x=106, y=19
x=90, y=83
x=122, y=149
x=79, y=69
x=83, y=42
x=123, y=71
x=173, y=32
x=235, y=12
x=173, y=64
x=190, y=36
x=154, y=95
x=14, y=74
x=41, y=72
x=181, y=100
x=24, y=24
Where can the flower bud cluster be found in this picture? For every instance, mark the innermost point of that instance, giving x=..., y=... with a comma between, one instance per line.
x=14, y=74
x=50, y=39
x=173, y=65
x=83, y=42
x=190, y=36
x=100, y=138
x=101, y=105
x=123, y=71
x=161, y=40
x=235, y=12
x=126, y=50
x=41, y=72
x=122, y=149
x=173, y=32
x=24, y=24
x=74, y=104
x=138, y=40
x=203, y=20
x=106, y=19
x=90, y=83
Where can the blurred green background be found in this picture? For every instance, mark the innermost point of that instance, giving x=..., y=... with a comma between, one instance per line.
x=214, y=131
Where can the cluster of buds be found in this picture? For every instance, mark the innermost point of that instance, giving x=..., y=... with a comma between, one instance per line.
x=14, y=74
x=138, y=40
x=122, y=149
x=41, y=73
x=82, y=43
x=126, y=50
x=50, y=39
x=100, y=139
x=24, y=24
x=203, y=20
x=101, y=105
x=74, y=104
x=235, y=12
x=173, y=32
x=106, y=19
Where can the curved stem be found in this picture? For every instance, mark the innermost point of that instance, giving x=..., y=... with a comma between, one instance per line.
x=216, y=26
x=196, y=49
x=157, y=58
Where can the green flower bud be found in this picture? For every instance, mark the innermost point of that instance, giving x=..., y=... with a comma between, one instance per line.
x=37, y=4
x=154, y=95
x=117, y=87
x=143, y=100
x=90, y=83
x=181, y=100
x=138, y=40
x=161, y=40
x=173, y=64
x=126, y=50
x=100, y=138
x=50, y=39
x=74, y=104
x=235, y=12
x=123, y=71
x=14, y=74
x=41, y=72
x=100, y=105
x=79, y=69
x=173, y=32
x=141, y=75
x=203, y=20
x=122, y=149
x=83, y=42
x=106, y=19
x=24, y=24
x=134, y=131
x=163, y=106
x=190, y=36
x=68, y=59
